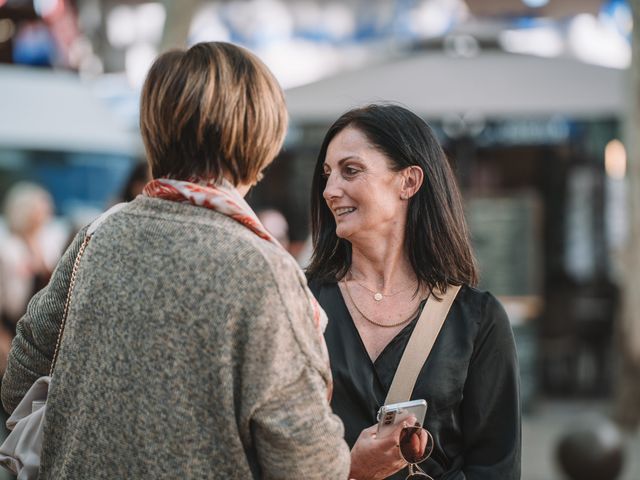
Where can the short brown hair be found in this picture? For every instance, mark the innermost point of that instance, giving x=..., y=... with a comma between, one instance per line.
x=212, y=110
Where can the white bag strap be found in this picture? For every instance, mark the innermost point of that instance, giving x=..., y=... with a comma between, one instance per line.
x=420, y=344
x=90, y=231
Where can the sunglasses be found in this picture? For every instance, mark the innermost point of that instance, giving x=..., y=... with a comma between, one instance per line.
x=416, y=445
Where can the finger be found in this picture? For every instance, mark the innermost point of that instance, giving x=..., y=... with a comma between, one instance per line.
x=409, y=421
x=393, y=439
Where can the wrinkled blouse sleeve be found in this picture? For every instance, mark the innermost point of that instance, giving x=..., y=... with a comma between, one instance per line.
x=491, y=405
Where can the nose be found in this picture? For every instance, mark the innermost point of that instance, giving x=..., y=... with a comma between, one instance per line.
x=332, y=189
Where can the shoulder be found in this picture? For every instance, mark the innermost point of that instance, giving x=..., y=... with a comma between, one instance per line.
x=328, y=295
x=483, y=315
x=262, y=260
x=317, y=286
x=488, y=320
x=479, y=305
x=212, y=239
x=218, y=261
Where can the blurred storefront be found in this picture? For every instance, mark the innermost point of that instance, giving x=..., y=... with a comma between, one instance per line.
x=527, y=96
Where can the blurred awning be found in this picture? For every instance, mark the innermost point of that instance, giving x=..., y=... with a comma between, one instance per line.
x=492, y=84
x=557, y=9
x=51, y=110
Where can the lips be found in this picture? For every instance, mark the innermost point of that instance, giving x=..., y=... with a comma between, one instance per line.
x=341, y=211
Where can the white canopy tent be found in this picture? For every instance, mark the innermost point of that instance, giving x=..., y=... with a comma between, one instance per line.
x=52, y=110
x=493, y=84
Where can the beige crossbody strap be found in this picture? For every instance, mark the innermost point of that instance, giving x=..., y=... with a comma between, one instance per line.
x=422, y=339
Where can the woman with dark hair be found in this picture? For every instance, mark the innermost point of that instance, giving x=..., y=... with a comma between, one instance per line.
x=388, y=229
x=192, y=346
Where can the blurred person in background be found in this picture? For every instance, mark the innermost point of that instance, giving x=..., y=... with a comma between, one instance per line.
x=135, y=183
x=27, y=255
x=192, y=347
x=276, y=224
x=388, y=227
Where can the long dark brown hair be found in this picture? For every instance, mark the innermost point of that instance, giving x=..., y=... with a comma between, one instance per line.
x=437, y=238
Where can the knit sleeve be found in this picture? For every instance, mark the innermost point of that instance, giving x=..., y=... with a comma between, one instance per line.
x=292, y=428
x=37, y=332
x=297, y=436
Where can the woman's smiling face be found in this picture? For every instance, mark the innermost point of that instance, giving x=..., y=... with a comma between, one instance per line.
x=362, y=192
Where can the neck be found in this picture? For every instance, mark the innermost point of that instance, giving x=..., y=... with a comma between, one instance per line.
x=382, y=266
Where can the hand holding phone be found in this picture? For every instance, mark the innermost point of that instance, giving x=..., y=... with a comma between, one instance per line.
x=390, y=415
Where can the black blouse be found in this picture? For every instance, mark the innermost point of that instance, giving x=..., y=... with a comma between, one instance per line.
x=470, y=383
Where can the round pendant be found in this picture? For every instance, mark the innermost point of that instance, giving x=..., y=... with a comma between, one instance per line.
x=377, y=297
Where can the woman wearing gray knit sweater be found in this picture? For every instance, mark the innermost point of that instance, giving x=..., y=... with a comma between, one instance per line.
x=192, y=346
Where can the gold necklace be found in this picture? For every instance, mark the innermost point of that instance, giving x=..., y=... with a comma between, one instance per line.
x=378, y=296
x=397, y=324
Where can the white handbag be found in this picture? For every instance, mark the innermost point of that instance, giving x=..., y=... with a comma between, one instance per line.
x=21, y=450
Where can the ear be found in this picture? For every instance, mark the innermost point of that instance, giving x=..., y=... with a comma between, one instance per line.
x=412, y=178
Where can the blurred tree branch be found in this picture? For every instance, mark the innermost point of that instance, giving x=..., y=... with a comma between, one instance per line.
x=628, y=392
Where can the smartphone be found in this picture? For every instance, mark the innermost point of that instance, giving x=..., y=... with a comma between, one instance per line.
x=390, y=415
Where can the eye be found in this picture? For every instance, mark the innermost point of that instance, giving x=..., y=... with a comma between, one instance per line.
x=325, y=174
x=350, y=171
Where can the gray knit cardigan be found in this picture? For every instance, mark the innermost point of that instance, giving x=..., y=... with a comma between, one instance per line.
x=189, y=352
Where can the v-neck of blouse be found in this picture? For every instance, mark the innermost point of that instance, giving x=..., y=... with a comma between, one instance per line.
x=390, y=345
x=363, y=383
